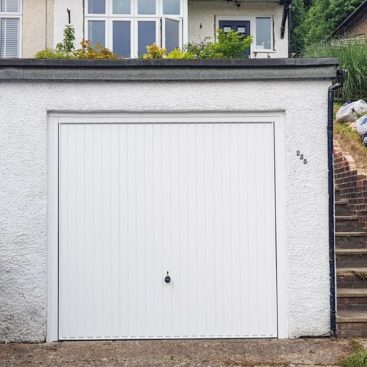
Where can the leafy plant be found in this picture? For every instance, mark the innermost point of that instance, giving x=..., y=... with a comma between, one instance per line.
x=180, y=54
x=66, y=49
x=352, y=56
x=154, y=52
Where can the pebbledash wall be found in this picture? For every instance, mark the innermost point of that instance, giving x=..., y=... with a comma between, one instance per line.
x=30, y=90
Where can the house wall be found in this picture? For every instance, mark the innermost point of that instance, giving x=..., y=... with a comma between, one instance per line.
x=24, y=180
x=76, y=8
x=203, y=21
x=37, y=26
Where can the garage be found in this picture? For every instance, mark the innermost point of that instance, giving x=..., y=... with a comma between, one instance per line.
x=165, y=199
x=166, y=230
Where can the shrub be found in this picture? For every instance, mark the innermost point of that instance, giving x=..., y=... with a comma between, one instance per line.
x=180, y=54
x=66, y=49
x=154, y=52
x=352, y=56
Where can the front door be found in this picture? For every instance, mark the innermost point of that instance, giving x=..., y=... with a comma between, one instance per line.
x=240, y=26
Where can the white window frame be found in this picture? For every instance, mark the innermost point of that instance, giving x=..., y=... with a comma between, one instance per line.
x=16, y=15
x=252, y=20
x=134, y=18
x=271, y=34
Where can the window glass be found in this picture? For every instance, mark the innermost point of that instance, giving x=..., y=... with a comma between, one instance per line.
x=9, y=6
x=96, y=6
x=121, y=38
x=96, y=32
x=121, y=7
x=171, y=7
x=9, y=37
x=263, y=33
x=146, y=35
x=172, y=34
x=146, y=7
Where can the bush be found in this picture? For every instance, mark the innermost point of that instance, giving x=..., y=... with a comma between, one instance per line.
x=358, y=358
x=66, y=49
x=180, y=54
x=229, y=45
x=352, y=56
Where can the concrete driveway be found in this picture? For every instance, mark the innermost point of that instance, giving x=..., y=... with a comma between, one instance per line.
x=301, y=352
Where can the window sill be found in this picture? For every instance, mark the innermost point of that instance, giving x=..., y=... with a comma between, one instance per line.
x=264, y=51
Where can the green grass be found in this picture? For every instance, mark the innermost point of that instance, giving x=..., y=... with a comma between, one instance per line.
x=352, y=56
x=358, y=357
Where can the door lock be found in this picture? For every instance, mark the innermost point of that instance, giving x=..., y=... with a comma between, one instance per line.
x=167, y=279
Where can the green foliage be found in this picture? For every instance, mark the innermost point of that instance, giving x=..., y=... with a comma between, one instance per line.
x=229, y=45
x=180, y=54
x=358, y=358
x=314, y=21
x=154, y=52
x=66, y=49
x=352, y=57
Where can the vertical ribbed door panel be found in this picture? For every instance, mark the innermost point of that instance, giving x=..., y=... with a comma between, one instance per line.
x=139, y=200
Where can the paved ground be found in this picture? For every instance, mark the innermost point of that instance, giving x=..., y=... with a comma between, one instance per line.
x=303, y=352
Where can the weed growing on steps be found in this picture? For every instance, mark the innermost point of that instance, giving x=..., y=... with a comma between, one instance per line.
x=358, y=357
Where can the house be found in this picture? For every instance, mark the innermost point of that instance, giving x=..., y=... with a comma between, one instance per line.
x=128, y=26
x=355, y=25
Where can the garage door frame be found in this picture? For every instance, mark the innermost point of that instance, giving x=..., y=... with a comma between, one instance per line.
x=56, y=119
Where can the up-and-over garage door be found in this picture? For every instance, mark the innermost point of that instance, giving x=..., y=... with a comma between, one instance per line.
x=167, y=230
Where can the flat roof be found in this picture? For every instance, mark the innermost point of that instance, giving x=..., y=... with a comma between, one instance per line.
x=167, y=70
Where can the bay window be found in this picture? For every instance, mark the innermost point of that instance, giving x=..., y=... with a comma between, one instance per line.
x=10, y=20
x=128, y=26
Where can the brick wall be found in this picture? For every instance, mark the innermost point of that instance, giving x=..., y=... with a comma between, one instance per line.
x=352, y=184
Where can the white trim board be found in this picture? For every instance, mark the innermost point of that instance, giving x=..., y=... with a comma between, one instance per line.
x=54, y=121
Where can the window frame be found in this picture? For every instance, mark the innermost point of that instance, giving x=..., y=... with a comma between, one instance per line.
x=134, y=18
x=252, y=20
x=16, y=15
x=271, y=34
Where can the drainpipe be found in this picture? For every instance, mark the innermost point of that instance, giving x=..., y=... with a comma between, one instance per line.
x=330, y=138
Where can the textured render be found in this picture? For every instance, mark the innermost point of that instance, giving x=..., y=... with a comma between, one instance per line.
x=37, y=26
x=23, y=183
x=61, y=19
x=202, y=21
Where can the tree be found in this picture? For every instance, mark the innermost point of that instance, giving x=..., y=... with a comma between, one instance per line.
x=297, y=18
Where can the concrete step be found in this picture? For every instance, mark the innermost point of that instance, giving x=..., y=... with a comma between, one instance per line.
x=350, y=257
x=342, y=207
x=350, y=299
x=346, y=223
x=351, y=277
x=352, y=323
x=352, y=240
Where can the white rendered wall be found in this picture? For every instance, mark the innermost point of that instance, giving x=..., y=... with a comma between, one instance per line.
x=202, y=21
x=24, y=177
x=61, y=19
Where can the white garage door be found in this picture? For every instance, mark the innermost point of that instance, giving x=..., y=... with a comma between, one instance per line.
x=144, y=204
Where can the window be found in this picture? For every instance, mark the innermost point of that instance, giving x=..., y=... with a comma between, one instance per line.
x=10, y=19
x=264, y=33
x=128, y=26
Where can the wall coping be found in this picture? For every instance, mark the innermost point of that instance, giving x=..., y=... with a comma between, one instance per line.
x=167, y=70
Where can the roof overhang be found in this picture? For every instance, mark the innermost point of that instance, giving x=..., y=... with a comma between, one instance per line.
x=135, y=70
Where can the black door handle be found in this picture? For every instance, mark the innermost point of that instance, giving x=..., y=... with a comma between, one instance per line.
x=167, y=279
